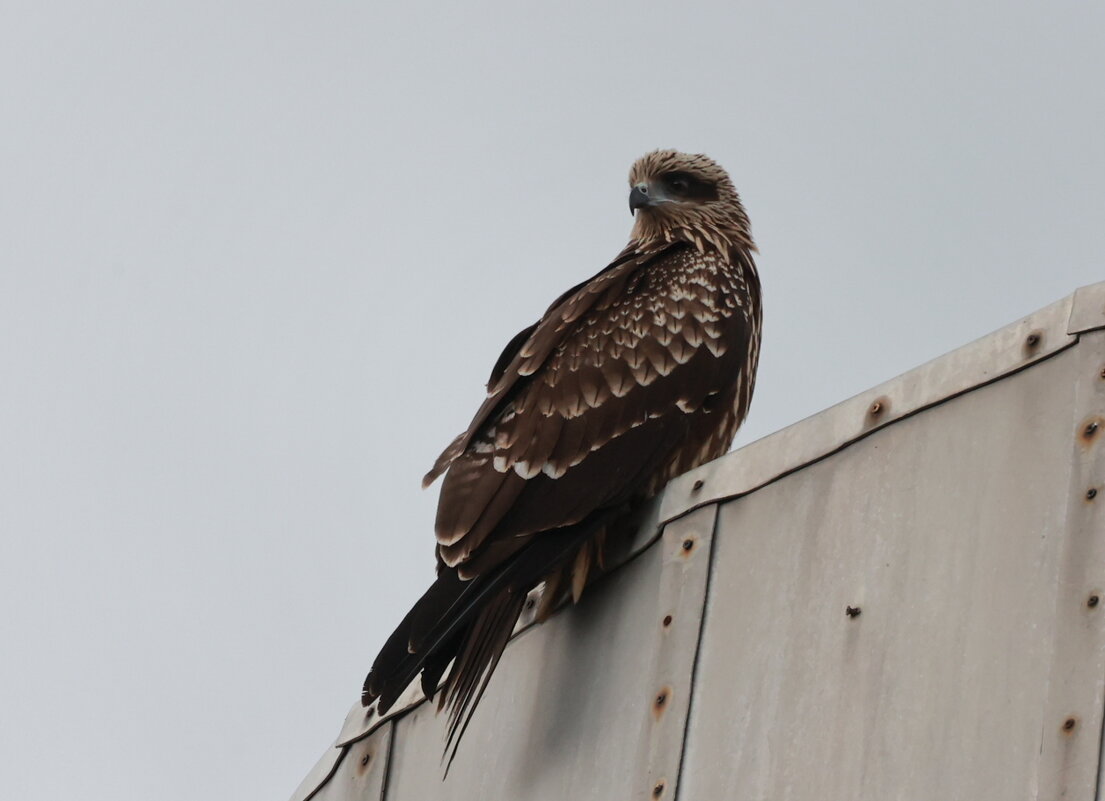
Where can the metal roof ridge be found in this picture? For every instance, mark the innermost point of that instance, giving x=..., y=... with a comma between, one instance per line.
x=992, y=357
x=1003, y=352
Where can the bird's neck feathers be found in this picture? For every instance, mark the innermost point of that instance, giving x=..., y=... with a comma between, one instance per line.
x=719, y=227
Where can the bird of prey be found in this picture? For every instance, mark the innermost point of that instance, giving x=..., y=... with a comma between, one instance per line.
x=631, y=378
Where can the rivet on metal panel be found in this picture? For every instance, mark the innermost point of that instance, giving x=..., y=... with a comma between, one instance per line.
x=1089, y=430
x=1093, y=601
x=1069, y=724
x=688, y=545
x=658, y=789
x=1032, y=342
x=877, y=410
x=660, y=702
x=1091, y=493
x=363, y=768
x=852, y=611
x=667, y=621
x=531, y=602
x=697, y=485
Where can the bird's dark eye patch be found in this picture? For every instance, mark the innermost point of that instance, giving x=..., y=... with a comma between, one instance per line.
x=688, y=186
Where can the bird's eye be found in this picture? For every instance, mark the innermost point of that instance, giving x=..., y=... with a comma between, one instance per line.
x=679, y=184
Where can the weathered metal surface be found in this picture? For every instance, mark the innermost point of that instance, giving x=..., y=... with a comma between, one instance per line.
x=1036, y=337
x=354, y=767
x=1087, y=311
x=904, y=601
x=590, y=704
x=1076, y=683
x=318, y=775
x=949, y=533
x=685, y=549
x=362, y=772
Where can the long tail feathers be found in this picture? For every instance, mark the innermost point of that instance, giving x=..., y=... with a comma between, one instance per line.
x=473, y=668
x=469, y=624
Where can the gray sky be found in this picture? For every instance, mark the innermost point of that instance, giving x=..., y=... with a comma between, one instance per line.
x=257, y=259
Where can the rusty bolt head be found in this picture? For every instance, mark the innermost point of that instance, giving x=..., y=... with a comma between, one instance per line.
x=1091, y=493
x=876, y=408
x=1090, y=429
x=1032, y=340
x=688, y=544
x=1069, y=724
x=1093, y=601
x=658, y=790
x=366, y=759
x=697, y=485
x=667, y=621
x=852, y=611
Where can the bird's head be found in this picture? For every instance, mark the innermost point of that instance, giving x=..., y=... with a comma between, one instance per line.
x=683, y=196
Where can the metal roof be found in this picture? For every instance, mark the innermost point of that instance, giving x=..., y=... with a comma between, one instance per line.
x=894, y=598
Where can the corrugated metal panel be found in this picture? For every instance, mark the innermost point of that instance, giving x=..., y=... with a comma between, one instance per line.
x=959, y=515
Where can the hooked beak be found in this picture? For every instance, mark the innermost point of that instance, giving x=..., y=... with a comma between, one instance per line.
x=638, y=198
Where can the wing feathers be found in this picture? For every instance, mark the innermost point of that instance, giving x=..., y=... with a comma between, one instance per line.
x=630, y=378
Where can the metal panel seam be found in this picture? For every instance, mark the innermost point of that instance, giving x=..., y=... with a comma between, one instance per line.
x=385, y=783
x=1076, y=687
x=685, y=563
x=720, y=499
x=330, y=775
x=710, y=565
x=1100, y=760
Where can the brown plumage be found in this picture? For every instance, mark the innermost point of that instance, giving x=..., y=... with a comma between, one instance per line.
x=629, y=379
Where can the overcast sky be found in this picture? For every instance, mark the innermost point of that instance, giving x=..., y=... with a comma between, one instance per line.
x=257, y=259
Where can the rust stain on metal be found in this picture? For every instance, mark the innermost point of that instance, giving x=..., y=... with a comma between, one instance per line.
x=1089, y=430
x=660, y=702
x=364, y=762
x=666, y=621
x=687, y=546
x=852, y=611
x=658, y=789
x=1069, y=725
x=877, y=410
x=1091, y=493
x=1093, y=600
x=1032, y=342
